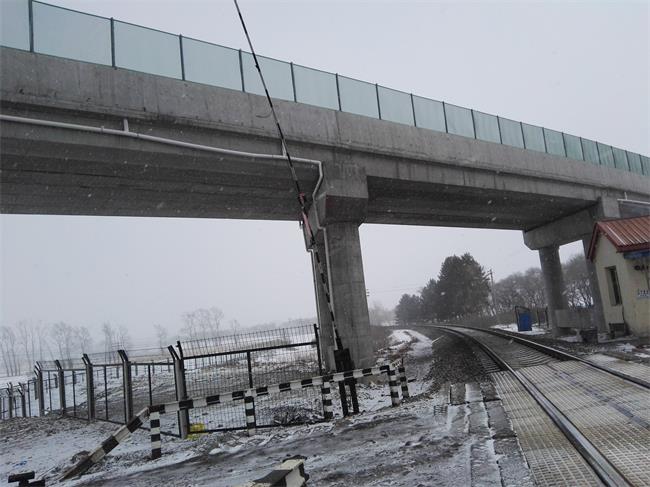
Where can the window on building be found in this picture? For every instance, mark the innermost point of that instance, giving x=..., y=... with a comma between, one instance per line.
x=612, y=284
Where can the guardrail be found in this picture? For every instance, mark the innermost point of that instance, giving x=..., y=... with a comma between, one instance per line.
x=48, y=29
x=153, y=413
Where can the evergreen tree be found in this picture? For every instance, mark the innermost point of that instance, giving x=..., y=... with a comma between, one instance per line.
x=408, y=309
x=462, y=288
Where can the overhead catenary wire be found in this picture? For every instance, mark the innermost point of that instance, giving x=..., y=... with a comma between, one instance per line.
x=301, y=195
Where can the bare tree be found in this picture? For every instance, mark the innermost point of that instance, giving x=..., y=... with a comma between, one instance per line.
x=161, y=335
x=108, y=338
x=63, y=336
x=123, y=338
x=26, y=337
x=576, y=282
x=379, y=315
x=202, y=323
x=8, y=347
x=83, y=339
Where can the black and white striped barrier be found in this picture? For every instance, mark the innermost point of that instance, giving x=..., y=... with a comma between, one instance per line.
x=328, y=409
x=403, y=381
x=109, y=444
x=154, y=427
x=290, y=473
x=248, y=396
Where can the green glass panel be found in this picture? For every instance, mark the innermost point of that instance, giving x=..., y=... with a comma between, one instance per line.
x=645, y=164
x=533, y=137
x=429, y=114
x=487, y=127
x=634, y=160
x=14, y=24
x=554, y=142
x=395, y=106
x=315, y=87
x=147, y=50
x=511, y=133
x=606, y=155
x=590, y=151
x=620, y=159
x=358, y=97
x=573, y=147
x=459, y=120
x=211, y=64
x=277, y=75
x=73, y=35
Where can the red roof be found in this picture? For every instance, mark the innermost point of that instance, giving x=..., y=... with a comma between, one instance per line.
x=626, y=234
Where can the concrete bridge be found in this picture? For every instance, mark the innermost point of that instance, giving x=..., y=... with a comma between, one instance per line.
x=80, y=138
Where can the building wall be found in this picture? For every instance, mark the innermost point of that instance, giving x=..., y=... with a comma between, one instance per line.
x=635, y=309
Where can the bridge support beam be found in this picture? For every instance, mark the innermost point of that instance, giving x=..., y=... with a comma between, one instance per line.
x=348, y=286
x=549, y=258
x=340, y=207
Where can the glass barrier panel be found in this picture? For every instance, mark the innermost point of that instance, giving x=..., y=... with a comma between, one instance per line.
x=14, y=24
x=429, y=114
x=315, y=87
x=395, y=106
x=590, y=151
x=554, y=142
x=635, y=162
x=73, y=35
x=645, y=164
x=620, y=159
x=459, y=120
x=211, y=64
x=573, y=147
x=358, y=97
x=487, y=127
x=147, y=50
x=533, y=137
x=606, y=155
x=277, y=75
x=511, y=133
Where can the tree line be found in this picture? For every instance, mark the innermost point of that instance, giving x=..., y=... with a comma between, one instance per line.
x=463, y=288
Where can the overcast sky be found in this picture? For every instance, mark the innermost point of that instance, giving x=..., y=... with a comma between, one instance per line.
x=581, y=67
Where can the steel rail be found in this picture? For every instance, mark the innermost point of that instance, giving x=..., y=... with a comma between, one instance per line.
x=554, y=352
x=607, y=472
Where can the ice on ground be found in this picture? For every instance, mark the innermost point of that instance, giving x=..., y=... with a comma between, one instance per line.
x=537, y=330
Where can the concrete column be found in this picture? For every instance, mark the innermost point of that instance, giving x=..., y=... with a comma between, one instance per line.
x=348, y=290
x=598, y=313
x=326, y=332
x=549, y=258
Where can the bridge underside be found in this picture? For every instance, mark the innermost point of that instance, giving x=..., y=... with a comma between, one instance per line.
x=48, y=170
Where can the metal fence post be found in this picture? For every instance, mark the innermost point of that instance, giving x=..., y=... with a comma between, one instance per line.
x=90, y=387
x=181, y=389
x=61, y=380
x=23, y=404
x=40, y=390
x=10, y=401
x=127, y=386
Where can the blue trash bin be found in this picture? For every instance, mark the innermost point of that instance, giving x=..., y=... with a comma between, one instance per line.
x=524, y=321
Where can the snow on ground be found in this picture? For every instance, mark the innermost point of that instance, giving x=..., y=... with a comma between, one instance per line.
x=537, y=330
x=421, y=440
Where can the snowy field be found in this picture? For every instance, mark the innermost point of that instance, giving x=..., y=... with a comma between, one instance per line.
x=425, y=438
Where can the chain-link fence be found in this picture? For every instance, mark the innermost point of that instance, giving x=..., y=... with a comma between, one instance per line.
x=115, y=385
x=232, y=363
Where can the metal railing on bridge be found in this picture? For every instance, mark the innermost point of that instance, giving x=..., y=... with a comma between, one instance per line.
x=48, y=29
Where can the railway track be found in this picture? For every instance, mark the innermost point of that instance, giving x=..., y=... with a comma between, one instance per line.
x=577, y=422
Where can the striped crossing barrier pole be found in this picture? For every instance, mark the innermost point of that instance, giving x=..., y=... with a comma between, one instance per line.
x=403, y=381
x=290, y=473
x=392, y=384
x=326, y=392
x=249, y=405
x=111, y=442
x=154, y=426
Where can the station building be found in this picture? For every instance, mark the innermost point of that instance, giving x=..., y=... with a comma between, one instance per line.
x=620, y=251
